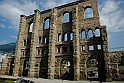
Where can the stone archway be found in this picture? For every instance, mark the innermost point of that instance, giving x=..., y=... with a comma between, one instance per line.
x=43, y=69
x=95, y=68
x=92, y=69
x=25, y=68
x=11, y=67
x=65, y=70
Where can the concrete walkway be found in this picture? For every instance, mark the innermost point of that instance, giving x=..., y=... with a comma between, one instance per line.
x=40, y=80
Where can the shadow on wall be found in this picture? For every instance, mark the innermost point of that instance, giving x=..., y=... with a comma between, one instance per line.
x=66, y=76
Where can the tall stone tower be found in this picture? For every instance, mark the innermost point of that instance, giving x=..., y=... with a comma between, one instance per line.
x=64, y=42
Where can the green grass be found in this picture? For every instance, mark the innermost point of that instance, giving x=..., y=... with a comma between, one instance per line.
x=9, y=81
x=6, y=81
x=1, y=81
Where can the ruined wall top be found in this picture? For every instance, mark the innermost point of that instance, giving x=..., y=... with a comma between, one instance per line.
x=86, y=2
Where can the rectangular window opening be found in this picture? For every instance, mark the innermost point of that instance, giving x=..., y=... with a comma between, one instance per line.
x=23, y=53
x=44, y=51
x=64, y=49
x=58, y=50
x=99, y=47
x=38, y=52
x=83, y=47
x=91, y=47
x=40, y=40
x=24, y=42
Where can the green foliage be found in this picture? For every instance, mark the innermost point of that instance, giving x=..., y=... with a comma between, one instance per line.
x=1, y=81
x=9, y=81
x=6, y=81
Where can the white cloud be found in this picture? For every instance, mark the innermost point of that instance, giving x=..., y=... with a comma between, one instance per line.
x=3, y=42
x=54, y=3
x=11, y=10
x=2, y=26
x=12, y=36
x=112, y=15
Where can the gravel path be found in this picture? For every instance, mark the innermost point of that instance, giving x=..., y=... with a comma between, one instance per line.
x=40, y=80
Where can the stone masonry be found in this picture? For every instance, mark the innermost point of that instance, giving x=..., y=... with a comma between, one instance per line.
x=70, y=50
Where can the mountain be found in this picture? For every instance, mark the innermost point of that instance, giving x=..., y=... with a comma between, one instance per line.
x=8, y=47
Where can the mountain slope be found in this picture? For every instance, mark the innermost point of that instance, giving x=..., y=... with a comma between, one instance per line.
x=8, y=47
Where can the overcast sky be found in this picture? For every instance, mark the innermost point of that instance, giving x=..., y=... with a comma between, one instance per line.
x=111, y=14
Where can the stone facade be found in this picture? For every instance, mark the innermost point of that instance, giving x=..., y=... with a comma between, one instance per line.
x=7, y=65
x=117, y=65
x=70, y=50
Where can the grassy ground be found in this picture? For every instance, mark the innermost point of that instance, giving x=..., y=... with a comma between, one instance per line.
x=6, y=81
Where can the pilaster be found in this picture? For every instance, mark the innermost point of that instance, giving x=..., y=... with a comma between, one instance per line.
x=34, y=42
x=106, y=53
x=52, y=41
x=76, y=54
x=19, y=44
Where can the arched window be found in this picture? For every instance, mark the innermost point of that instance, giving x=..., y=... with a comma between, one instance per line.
x=31, y=27
x=66, y=17
x=71, y=36
x=97, y=32
x=83, y=34
x=88, y=12
x=47, y=23
x=90, y=33
x=65, y=37
x=59, y=37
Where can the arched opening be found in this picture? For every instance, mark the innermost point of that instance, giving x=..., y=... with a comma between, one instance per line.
x=92, y=68
x=43, y=69
x=59, y=37
x=71, y=36
x=11, y=67
x=83, y=34
x=65, y=37
x=31, y=27
x=88, y=12
x=66, y=18
x=90, y=33
x=97, y=33
x=65, y=70
x=25, y=68
x=47, y=23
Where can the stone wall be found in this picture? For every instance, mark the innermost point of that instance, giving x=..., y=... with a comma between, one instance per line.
x=69, y=49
